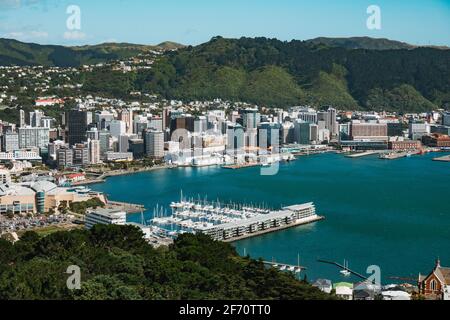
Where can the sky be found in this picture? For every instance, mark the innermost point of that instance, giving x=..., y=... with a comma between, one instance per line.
x=191, y=22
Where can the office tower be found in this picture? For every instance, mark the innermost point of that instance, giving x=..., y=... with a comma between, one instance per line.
x=10, y=141
x=94, y=151
x=33, y=137
x=154, y=143
x=77, y=125
x=35, y=118
x=287, y=133
x=332, y=123
x=200, y=124
x=126, y=115
x=81, y=154
x=117, y=128
x=92, y=134
x=123, y=143
x=103, y=119
x=136, y=146
x=185, y=122
x=310, y=117
x=46, y=122
x=166, y=118
x=269, y=134
x=344, y=131
x=250, y=118
x=21, y=118
x=64, y=157
x=105, y=144
x=235, y=137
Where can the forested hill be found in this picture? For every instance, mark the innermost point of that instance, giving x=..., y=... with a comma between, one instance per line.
x=13, y=52
x=276, y=73
x=117, y=264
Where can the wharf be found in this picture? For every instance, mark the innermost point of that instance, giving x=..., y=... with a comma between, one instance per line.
x=397, y=155
x=363, y=154
x=275, y=229
x=284, y=265
x=241, y=166
x=127, y=207
x=443, y=159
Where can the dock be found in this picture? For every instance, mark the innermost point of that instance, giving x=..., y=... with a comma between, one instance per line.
x=275, y=229
x=443, y=159
x=343, y=267
x=242, y=165
x=127, y=207
x=398, y=155
x=363, y=154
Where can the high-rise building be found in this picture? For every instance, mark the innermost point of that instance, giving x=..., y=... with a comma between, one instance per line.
x=94, y=151
x=126, y=115
x=22, y=118
x=77, y=125
x=308, y=116
x=117, y=128
x=35, y=118
x=154, y=143
x=105, y=144
x=10, y=141
x=33, y=137
x=156, y=124
x=182, y=122
x=81, y=154
x=332, y=123
x=46, y=122
x=136, y=146
x=92, y=134
x=103, y=119
x=250, y=118
x=64, y=157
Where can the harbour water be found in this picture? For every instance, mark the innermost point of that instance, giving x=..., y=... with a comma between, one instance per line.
x=394, y=214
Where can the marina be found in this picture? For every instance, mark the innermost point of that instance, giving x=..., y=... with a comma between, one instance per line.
x=230, y=222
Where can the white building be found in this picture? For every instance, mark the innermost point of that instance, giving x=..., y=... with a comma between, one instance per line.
x=105, y=216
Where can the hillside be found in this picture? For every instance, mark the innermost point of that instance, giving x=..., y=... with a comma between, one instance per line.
x=13, y=52
x=362, y=43
x=275, y=73
x=117, y=264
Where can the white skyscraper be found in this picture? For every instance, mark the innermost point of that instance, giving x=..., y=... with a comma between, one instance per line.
x=117, y=128
x=94, y=151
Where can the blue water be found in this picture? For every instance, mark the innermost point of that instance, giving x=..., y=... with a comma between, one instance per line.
x=394, y=214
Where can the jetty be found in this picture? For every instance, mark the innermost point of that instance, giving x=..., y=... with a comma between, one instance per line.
x=344, y=268
x=363, y=154
x=127, y=207
x=443, y=159
x=398, y=155
x=284, y=266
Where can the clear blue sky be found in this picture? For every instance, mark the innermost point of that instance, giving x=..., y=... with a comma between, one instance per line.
x=196, y=21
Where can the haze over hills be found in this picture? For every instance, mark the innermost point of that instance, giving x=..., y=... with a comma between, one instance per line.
x=350, y=73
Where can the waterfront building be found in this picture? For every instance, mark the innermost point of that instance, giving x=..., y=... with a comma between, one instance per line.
x=323, y=285
x=332, y=123
x=436, y=140
x=154, y=144
x=77, y=125
x=344, y=131
x=287, y=133
x=440, y=129
x=394, y=129
x=406, y=145
x=118, y=156
x=136, y=147
x=104, y=216
x=344, y=290
x=368, y=131
x=435, y=285
x=269, y=134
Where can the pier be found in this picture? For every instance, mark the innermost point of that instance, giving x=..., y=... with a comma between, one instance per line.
x=398, y=155
x=285, y=266
x=363, y=154
x=442, y=159
x=344, y=268
x=127, y=207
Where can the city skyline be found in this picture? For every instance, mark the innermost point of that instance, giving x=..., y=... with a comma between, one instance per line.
x=46, y=22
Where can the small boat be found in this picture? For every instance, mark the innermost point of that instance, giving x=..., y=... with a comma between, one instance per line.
x=345, y=271
x=283, y=268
